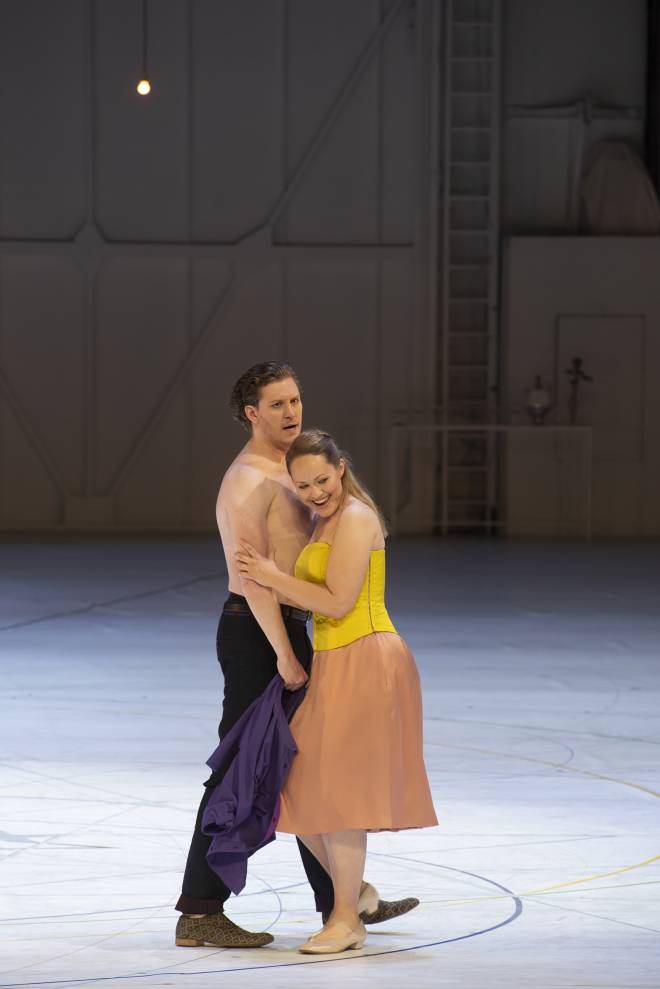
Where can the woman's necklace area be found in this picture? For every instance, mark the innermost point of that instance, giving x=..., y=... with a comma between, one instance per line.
x=326, y=532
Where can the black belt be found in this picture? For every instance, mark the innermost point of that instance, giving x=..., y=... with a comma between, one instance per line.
x=243, y=608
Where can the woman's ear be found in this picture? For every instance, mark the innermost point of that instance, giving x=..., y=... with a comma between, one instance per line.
x=342, y=467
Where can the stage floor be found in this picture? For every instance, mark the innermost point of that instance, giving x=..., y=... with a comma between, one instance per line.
x=540, y=666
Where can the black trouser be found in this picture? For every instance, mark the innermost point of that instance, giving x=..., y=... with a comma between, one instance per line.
x=248, y=664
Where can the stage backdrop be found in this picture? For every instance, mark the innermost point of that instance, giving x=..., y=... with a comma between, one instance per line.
x=269, y=200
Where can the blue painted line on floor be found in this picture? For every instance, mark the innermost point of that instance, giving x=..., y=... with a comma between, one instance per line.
x=344, y=957
x=156, y=906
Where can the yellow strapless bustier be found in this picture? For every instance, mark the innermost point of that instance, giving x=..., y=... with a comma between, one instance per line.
x=368, y=613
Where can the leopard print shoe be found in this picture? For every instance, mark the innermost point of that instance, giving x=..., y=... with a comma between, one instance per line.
x=216, y=929
x=389, y=909
x=386, y=910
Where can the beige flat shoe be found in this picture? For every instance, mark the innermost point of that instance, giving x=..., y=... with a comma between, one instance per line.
x=342, y=939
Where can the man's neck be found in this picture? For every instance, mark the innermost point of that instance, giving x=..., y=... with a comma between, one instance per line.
x=260, y=447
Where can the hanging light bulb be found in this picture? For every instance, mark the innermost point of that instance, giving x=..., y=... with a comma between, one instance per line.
x=144, y=86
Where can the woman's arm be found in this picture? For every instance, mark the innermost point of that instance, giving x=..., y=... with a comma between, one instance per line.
x=347, y=565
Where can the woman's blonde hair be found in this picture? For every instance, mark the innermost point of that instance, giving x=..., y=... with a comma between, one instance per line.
x=316, y=443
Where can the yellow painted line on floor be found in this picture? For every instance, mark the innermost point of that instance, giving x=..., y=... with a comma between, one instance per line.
x=480, y=899
x=425, y=907
x=132, y=932
x=565, y=769
x=551, y=765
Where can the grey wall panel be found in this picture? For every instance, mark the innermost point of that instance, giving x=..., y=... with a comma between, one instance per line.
x=593, y=297
x=337, y=198
x=143, y=326
x=397, y=131
x=542, y=199
x=556, y=54
x=142, y=152
x=209, y=279
x=248, y=330
x=237, y=131
x=141, y=341
x=547, y=196
x=557, y=50
x=613, y=404
x=153, y=495
x=42, y=110
x=332, y=331
x=394, y=352
x=42, y=356
x=210, y=442
x=612, y=349
x=28, y=497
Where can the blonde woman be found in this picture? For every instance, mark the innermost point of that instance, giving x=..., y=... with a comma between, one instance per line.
x=360, y=765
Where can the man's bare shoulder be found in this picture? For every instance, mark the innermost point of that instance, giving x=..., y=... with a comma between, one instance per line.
x=243, y=478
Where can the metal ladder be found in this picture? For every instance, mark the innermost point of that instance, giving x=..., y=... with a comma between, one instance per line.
x=470, y=253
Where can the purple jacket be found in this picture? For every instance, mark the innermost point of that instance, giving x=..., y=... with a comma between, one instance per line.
x=244, y=807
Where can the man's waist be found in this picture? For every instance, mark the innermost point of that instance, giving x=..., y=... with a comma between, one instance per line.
x=237, y=604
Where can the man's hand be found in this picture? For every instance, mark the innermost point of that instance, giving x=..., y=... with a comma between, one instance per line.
x=291, y=672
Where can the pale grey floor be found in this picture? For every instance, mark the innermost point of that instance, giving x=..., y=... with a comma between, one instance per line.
x=540, y=666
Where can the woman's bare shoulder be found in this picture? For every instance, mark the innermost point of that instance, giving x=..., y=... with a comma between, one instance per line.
x=356, y=514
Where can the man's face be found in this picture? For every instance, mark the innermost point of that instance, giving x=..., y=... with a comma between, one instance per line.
x=277, y=417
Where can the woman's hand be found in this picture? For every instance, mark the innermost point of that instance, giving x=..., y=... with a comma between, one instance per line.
x=253, y=566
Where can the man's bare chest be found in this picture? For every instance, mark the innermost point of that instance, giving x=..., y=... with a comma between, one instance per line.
x=288, y=519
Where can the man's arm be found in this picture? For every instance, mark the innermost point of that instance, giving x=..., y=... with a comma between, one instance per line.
x=347, y=566
x=244, y=506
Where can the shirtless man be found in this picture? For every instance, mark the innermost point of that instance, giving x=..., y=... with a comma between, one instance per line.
x=257, y=634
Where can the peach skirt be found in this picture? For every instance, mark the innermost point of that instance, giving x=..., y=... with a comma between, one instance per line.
x=359, y=736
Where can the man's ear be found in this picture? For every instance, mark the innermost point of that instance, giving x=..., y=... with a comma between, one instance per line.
x=251, y=413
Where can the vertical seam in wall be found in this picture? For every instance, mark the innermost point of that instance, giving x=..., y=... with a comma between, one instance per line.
x=419, y=225
x=94, y=405
x=84, y=475
x=92, y=150
x=380, y=139
x=188, y=402
x=188, y=509
x=284, y=36
x=2, y=176
x=87, y=384
x=89, y=328
x=642, y=483
x=3, y=473
x=284, y=279
x=379, y=419
x=284, y=311
x=190, y=123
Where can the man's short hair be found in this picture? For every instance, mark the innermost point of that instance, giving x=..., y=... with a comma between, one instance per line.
x=247, y=389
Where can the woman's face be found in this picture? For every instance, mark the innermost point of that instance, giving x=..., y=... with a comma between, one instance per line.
x=318, y=483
